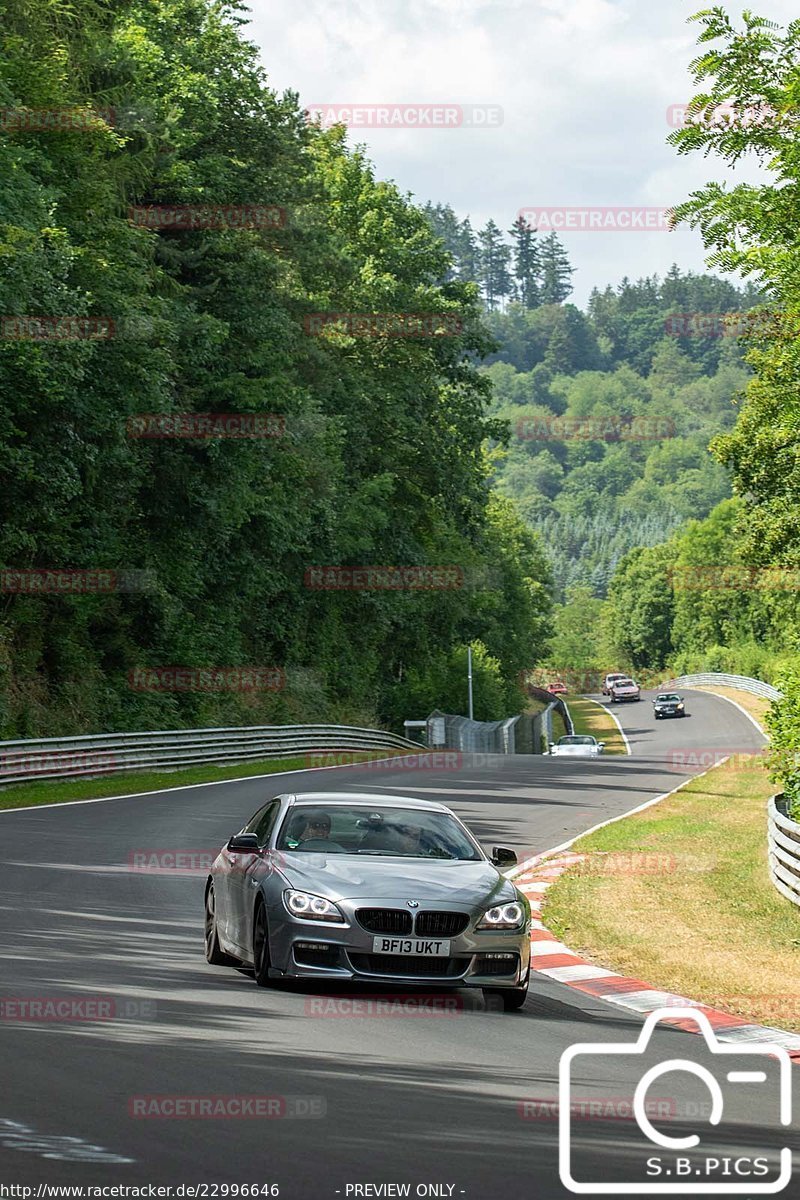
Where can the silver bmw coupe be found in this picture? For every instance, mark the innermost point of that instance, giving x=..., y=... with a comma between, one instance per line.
x=370, y=888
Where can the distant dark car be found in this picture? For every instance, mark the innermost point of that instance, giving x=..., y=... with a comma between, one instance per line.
x=670, y=704
x=624, y=689
x=557, y=688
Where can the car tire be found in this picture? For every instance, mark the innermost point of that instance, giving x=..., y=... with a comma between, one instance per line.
x=214, y=952
x=261, y=959
x=511, y=999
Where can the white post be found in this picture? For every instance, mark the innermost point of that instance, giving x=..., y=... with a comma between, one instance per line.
x=469, y=678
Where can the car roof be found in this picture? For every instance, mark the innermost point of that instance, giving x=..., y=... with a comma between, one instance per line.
x=375, y=799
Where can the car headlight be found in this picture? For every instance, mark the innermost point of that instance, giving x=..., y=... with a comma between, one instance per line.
x=503, y=916
x=680, y=707
x=312, y=908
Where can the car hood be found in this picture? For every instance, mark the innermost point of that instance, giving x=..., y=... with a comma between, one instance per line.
x=352, y=877
x=628, y=687
x=579, y=751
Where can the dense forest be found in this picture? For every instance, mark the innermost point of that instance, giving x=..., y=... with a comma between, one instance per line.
x=121, y=305
x=610, y=411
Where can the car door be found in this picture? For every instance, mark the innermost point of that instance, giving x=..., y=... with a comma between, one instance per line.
x=245, y=875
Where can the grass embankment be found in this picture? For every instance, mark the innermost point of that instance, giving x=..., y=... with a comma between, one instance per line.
x=62, y=790
x=590, y=717
x=684, y=900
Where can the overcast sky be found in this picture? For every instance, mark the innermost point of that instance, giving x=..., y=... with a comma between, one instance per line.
x=584, y=87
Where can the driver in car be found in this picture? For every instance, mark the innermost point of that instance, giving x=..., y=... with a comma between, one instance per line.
x=312, y=826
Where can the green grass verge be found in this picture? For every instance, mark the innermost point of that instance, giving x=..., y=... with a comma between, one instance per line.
x=680, y=896
x=63, y=790
x=589, y=717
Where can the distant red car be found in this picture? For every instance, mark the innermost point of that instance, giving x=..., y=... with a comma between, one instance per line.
x=557, y=688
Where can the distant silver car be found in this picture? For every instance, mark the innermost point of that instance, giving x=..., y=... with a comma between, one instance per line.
x=609, y=681
x=577, y=746
x=624, y=689
x=374, y=888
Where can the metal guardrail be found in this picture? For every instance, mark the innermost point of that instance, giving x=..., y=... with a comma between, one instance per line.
x=784, y=850
x=110, y=753
x=742, y=682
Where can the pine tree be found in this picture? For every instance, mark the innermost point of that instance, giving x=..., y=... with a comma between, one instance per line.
x=526, y=263
x=556, y=271
x=494, y=257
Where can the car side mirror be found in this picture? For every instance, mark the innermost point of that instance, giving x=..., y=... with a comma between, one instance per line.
x=244, y=843
x=601, y=745
x=502, y=856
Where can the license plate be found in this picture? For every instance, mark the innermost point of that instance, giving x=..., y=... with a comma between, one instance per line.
x=423, y=947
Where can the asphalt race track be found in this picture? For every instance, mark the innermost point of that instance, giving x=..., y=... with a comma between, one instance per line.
x=365, y=1100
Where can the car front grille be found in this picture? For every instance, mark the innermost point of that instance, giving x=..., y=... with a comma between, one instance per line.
x=418, y=966
x=384, y=920
x=441, y=924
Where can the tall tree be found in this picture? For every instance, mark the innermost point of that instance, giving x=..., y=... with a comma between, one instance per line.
x=555, y=271
x=526, y=263
x=494, y=259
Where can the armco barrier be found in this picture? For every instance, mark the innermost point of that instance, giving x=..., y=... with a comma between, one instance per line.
x=732, y=681
x=784, y=850
x=110, y=753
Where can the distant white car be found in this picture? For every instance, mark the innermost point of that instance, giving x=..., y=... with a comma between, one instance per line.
x=609, y=681
x=624, y=689
x=577, y=745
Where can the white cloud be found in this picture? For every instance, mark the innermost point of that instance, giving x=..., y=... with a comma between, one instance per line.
x=584, y=85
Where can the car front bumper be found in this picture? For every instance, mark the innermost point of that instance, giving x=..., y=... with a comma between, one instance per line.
x=319, y=950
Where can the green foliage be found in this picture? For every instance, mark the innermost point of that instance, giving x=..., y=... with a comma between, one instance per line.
x=382, y=461
x=783, y=722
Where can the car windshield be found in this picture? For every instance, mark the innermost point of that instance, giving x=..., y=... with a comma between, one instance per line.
x=625, y=683
x=669, y=699
x=381, y=832
x=576, y=741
